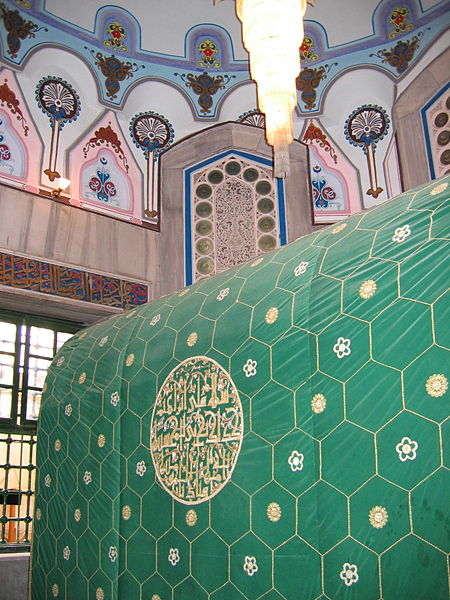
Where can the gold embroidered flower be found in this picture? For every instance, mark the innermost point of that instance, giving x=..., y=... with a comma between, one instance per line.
x=130, y=314
x=126, y=512
x=257, y=262
x=367, y=289
x=44, y=387
x=99, y=594
x=55, y=590
x=38, y=514
x=77, y=515
x=68, y=410
x=191, y=517
x=82, y=378
x=339, y=228
x=318, y=403
x=438, y=189
x=47, y=480
x=192, y=339
x=156, y=597
x=87, y=477
x=274, y=512
x=271, y=315
x=378, y=517
x=436, y=385
x=101, y=440
x=115, y=398
x=129, y=360
x=183, y=292
x=57, y=445
x=66, y=553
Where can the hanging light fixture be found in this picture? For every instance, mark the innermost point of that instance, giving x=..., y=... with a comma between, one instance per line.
x=273, y=33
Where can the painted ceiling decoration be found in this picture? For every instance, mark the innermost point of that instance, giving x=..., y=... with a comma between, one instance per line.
x=365, y=127
x=209, y=53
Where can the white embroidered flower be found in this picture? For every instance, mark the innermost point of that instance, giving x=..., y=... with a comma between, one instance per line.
x=38, y=514
x=174, y=556
x=55, y=590
x=406, y=449
x=438, y=189
x=77, y=515
x=66, y=553
x=155, y=320
x=57, y=445
x=112, y=553
x=191, y=517
x=250, y=565
x=250, y=368
x=87, y=477
x=156, y=597
x=378, y=517
x=301, y=268
x=130, y=314
x=115, y=398
x=47, y=480
x=192, y=339
x=339, y=228
x=126, y=512
x=101, y=440
x=318, y=403
x=141, y=468
x=99, y=594
x=68, y=410
x=342, y=347
x=273, y=512
x=367, y=289
x=271, y=315
x=296, y=461
x=401, y=233
x=349, y=574
x=436, y=385
x=223, y=294
x=103, y=341
x=60, y=361
x=82, y=378
x=129, y=360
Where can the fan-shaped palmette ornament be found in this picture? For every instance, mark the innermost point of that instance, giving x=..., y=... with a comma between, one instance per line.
x=152, y=133
x=61, y=103
x=365, y=127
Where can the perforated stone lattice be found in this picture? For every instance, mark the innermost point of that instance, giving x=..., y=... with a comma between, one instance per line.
x=336, y=345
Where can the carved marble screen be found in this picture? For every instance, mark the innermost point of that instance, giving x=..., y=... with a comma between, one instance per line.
x=234, y=212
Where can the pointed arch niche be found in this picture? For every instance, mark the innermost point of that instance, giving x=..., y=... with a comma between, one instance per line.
x=20, y=144
x=104, y=175
x=221, y=206
x=334, y=180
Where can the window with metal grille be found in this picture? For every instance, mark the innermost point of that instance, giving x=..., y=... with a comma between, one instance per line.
x=27, y=347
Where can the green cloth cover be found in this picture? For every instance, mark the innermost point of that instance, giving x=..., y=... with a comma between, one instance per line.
x=275, y=432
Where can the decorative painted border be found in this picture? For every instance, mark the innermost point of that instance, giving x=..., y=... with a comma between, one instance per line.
x=188, y=199
x=31, y=274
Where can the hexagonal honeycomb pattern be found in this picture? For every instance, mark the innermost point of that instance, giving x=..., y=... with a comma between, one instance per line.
x=302, y=456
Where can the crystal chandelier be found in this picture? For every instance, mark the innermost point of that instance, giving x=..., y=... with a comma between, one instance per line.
x=272, y=31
